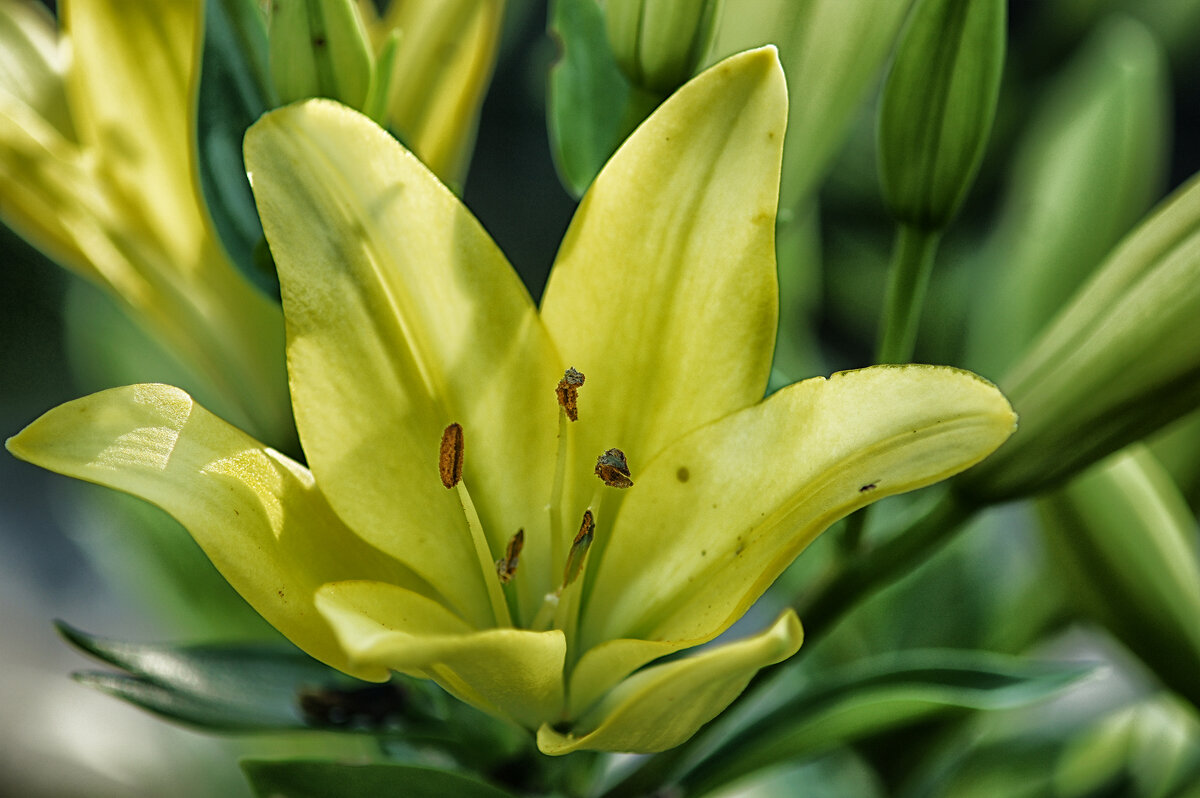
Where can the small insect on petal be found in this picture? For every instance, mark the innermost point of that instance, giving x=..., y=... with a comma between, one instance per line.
x=450, y=459
x=506, y=566
x=568, y=393
x=612, y=468
x=579, y=548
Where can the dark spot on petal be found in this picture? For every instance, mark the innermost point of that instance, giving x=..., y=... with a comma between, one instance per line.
x=868, y=487
x=682, y=474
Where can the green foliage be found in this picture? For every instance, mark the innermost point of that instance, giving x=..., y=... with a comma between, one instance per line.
x=320, y=779
x=235, y=89
x=587, y=95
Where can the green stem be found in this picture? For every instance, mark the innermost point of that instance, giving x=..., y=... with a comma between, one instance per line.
x=877, y=568
x=912, y=261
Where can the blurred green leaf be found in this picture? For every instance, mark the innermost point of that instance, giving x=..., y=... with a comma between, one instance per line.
x=257, y=687
x=1090, y=164
x=235, y=89
x=587, y=96
x=1126, y=539
x=876, y=695
x=228, y=688
x=300, y=778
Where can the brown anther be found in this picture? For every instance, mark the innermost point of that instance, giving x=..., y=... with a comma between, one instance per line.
x=506, y=567
x=613, y=470
x=579, y=548
x=450, y=460
x=568, y=393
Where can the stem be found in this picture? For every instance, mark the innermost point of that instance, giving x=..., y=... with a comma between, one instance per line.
x=912, y=262
x=487, y=564
x=877, y=568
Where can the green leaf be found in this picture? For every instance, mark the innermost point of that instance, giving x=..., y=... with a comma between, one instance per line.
x=877, y=695
x=228, y=688
x=235, y=89
x=1123, y=539
x=261, y=687
x=305, y=778
x=587, y=97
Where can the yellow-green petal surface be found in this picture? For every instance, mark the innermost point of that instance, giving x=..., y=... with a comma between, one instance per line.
x=664, y=290
x=31, y=64
x=256, y=514
x=402, y=318
x=513, y=673
x=662, y=706
x=717, y=517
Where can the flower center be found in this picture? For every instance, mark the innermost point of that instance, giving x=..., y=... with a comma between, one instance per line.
x=560, y=607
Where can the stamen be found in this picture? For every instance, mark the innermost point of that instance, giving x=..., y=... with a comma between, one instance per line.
x=506, y=566
x=450, y=458
x=450, y=464
x=612, y=468
x=579, y=549
x=566, y=612
x=568, y=393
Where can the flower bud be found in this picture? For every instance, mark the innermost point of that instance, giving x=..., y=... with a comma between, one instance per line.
x=319, y=48
x=937, y=107
x=1119, y=362
x=659, y=44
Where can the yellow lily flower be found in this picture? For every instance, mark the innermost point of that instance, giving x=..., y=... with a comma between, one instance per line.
x=96, y=142
x=457, y=523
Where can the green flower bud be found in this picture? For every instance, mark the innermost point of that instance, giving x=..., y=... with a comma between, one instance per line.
x=659, y=44
x=1119, y=362
x=937, y=107
x=319, y=48
x=1124, y=538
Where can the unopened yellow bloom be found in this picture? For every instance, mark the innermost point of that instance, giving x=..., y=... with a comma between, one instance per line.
x=456, y=524
x=97, y=129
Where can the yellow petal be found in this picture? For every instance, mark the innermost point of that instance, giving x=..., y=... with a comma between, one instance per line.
x=403, y=317
x=31, y=62
x=511, y=673
x=129, y=87
x=662, y=706
x=443, y=66
x=719, y=515
x=664, y=290
x=257, y=515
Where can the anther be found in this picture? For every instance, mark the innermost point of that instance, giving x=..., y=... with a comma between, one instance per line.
x=506, y=566
x=568, y=393
x=579, y=548
x=613, y=470
x=450, y=460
